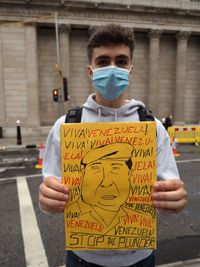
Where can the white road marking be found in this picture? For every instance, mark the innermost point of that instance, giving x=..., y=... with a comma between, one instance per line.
x=21, y=177
x=187, y=263
x=10, y=168
x=187, y=160
x=33, y=247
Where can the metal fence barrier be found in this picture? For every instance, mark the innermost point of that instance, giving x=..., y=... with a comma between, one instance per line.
x=185, y=134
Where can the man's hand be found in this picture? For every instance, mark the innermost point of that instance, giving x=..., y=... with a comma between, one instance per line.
x=53, y=195
x=169, y=195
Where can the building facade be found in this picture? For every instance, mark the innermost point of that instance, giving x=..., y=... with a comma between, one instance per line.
x=166, y=59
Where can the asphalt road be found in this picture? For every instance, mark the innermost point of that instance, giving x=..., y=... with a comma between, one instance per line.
x=178, y=235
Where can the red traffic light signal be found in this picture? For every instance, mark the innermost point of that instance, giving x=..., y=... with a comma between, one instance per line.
x=55, y=95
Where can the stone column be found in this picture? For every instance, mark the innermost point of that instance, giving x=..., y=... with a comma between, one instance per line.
x=33, y=117
x=91, y=30
x=64, y=41
x=2, y=98
x=199, y=112
x=154, y=56
x=181, y=71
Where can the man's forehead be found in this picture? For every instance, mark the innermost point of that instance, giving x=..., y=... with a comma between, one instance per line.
x=111, y=51
x=108, y=161
x=114, y=152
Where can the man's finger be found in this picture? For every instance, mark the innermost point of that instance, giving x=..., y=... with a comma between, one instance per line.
x=52, y=194
x=174, y=206
x=168, y=185
x=55, y=184
x=169, y=195
x=51, y=205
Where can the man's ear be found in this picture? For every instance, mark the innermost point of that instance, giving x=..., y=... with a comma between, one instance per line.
x=89, y=72
x=82, y=170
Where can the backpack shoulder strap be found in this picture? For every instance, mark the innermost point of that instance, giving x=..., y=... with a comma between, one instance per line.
x=74, y=115
x=145, y=114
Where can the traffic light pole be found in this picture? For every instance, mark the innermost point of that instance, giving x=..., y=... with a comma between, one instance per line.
x=57, y=38
x=58, y=70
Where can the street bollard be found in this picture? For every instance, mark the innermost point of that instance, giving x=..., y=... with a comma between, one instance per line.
x=1, y=132
x=19, y=136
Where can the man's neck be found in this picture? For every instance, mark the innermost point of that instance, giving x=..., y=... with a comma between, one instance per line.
x=106, y=216
x=117, y=103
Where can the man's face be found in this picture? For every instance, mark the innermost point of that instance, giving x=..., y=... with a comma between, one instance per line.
x=116, y=55
x=106, y=184
x=111, y=55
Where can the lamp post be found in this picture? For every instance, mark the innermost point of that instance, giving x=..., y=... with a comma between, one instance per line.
x=1, y=132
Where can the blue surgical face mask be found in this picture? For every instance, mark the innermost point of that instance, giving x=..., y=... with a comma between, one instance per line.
x=110, y=81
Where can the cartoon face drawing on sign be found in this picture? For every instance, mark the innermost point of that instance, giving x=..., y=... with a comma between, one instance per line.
x=107, y=170
x=106, y=176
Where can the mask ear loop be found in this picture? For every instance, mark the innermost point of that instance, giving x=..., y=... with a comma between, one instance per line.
x=130, y=68
x=91, y=68
x=90, y=75
x=129, y=72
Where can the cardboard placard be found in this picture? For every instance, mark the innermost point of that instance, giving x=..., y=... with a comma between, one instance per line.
x=109, y=169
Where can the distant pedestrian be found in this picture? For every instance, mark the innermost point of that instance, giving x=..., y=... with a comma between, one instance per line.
x=168, y=121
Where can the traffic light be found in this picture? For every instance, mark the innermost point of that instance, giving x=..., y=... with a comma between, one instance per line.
x=55, y=95
x=65, y=89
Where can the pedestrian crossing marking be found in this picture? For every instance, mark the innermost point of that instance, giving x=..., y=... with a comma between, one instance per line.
x=35, y=254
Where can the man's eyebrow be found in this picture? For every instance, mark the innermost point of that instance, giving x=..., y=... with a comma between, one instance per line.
x=95, y=163
x=122, y=56
x=117, y=164
x=102, y=57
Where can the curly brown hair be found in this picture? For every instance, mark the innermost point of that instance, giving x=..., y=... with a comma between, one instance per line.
x=110, y=34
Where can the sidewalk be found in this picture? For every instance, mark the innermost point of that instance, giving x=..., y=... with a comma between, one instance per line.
x=188, y=263
x=11, y=143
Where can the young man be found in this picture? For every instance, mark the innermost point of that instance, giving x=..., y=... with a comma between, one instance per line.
x=110, y=50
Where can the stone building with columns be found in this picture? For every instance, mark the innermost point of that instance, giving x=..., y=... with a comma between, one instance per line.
x=166, y=59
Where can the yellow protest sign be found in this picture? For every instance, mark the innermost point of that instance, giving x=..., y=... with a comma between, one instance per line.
x=109, y=169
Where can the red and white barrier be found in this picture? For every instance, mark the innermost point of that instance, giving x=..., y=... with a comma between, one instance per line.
x=41, y=155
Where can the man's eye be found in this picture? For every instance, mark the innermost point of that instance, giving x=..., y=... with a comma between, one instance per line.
x=95, y=168
x=121, y=63
x=116, y=168
x=102, y=63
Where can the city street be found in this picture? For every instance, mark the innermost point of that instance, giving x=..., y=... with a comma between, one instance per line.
x=99, y=63
x=32, y=238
